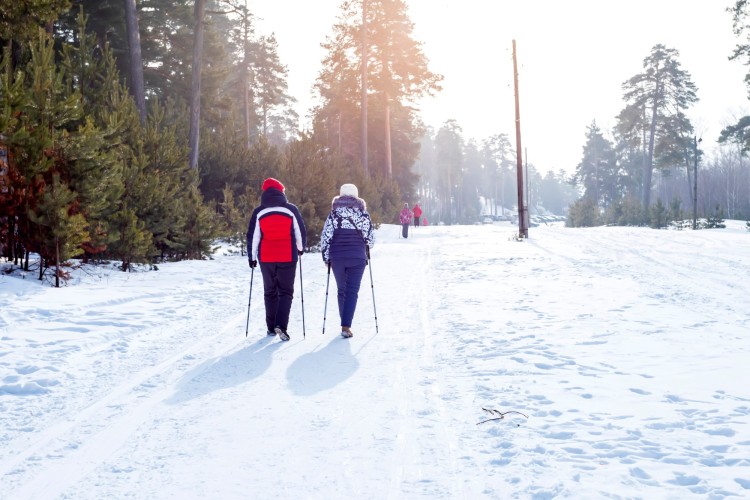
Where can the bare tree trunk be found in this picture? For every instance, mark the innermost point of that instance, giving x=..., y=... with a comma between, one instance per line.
x=57, y=262
x=363, y=145
x=136, y=61
x=245, y=70
x=195, y=96
x=265, y=120
x=388, y=161
x=246, y=107
x=649, y=166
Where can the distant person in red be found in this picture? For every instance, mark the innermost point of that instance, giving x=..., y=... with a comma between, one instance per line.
x=425, y=223
x=405, y=218
x=276, y=238
x=417, y=211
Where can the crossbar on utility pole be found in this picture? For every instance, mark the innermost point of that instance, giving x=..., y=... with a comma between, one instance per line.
x=523, y=228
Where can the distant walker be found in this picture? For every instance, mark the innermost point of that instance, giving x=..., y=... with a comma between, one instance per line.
x=405, y=218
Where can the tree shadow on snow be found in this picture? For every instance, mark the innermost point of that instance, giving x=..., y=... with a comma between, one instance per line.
x=219, y=373
x=322, y=370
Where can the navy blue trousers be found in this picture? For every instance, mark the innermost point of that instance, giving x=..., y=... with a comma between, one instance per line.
x=278, y=292
x=348, y=274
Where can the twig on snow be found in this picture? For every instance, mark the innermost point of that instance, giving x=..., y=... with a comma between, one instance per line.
x=500, y=414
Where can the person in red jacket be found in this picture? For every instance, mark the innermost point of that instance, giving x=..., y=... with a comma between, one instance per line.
x=417, y=211
x=276, y=238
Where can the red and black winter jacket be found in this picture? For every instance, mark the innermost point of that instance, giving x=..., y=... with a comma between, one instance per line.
x=276, y=231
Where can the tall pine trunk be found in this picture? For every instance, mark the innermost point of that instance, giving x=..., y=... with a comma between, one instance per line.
x=388, y=161
x=363, y=145
x=649, y=165
x=195, y=95
x=245, y=82
x=136, y=61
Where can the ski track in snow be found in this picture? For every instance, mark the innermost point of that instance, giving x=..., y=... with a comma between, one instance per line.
x=160, y=395
x=89, y=428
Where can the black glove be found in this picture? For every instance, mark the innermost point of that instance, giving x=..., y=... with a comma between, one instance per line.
x=252, y=263
x=300, y=252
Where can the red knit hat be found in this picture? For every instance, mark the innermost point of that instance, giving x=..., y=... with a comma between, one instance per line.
x=272, y=183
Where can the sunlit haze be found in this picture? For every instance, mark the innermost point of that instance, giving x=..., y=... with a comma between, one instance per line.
x=572, y=59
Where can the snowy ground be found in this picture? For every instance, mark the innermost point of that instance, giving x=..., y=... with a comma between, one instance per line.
x=627, y=348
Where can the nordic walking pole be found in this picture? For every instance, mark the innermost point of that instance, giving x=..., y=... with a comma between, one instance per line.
x=369, y=264
x=252, y=275
x=302, y=294
x=325, y=307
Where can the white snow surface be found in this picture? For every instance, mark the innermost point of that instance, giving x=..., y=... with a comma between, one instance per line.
x=628, y=349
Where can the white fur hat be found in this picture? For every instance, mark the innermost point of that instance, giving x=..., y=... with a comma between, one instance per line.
x=349, y=190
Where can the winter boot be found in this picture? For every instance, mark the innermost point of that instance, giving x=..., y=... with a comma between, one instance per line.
x=346, y=332
x=282, y=334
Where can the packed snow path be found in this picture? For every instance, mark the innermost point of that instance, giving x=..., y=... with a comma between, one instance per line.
x=627, y=349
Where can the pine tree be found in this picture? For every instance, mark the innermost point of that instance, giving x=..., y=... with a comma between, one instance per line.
x=658, y=215
x=20, y=20
x=232, y=220
x=584, y=212
x=449, y=143
x=498, y=156
x=310, y=177
x=269, y=84
x=95, y=163
x=397, y=76
x=225, y=163
x=201, y=226
x=163, y=183
x=43, y=108
x=716, y=220
x=653, y=114
x=739, y=133
x=131, y=241
x=597, y=171
x=62, y=232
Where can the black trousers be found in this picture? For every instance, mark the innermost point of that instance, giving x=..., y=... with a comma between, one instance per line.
x=278, y=292
x=405, y=230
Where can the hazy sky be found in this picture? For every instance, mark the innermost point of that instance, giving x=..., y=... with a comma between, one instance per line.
x=573, y=58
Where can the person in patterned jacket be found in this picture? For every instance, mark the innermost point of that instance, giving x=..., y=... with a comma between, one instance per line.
x=405, y=218
x=345, y=245
x=276, y=237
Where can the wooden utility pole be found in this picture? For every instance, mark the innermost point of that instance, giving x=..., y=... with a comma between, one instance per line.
x=523, y=226
x=364, y=87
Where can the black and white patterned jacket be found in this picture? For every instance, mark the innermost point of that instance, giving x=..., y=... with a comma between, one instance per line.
x=347, y=229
